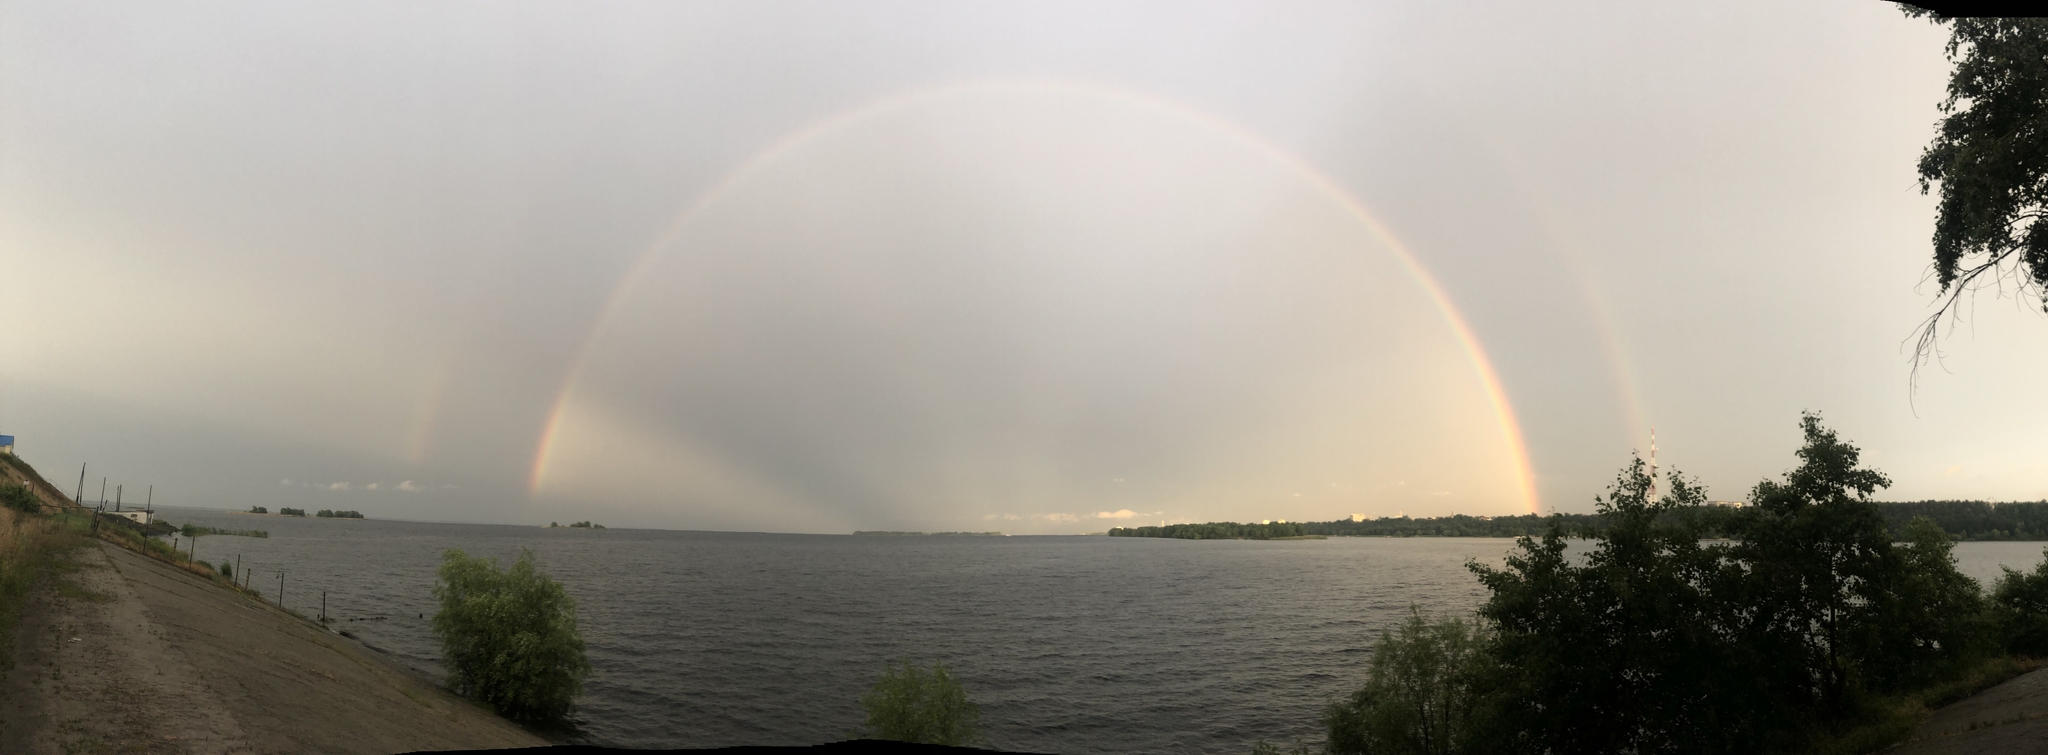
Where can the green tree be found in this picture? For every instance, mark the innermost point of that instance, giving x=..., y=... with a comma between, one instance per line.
x=1421, y=693
x=2020, y=609
x=1628, y=648
x=910, y=705
x=1818, y=552
x=1929, y=618
x=1990, y=159
x=509, y=636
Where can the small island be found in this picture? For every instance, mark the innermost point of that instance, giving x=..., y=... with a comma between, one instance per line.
x=579, y=525
x=328, y=514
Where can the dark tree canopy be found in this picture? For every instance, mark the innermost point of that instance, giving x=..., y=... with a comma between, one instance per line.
x=1990, y=162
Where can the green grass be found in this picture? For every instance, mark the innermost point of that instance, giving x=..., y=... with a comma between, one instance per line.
x=30, y=549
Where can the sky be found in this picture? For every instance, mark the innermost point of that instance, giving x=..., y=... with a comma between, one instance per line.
x=1027, y=267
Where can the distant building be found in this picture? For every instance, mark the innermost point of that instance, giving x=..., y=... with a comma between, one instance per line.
x=7, y=445
x=1358, y=517
x=1729, y=504
x=139, y=517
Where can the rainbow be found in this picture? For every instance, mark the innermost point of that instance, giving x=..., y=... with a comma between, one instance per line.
x=1475, y=355
x=1572, y=252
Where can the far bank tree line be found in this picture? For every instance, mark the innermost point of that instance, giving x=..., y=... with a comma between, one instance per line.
x=1962, y=520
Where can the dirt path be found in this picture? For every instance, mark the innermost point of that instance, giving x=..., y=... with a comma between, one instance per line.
x=2009, y=718
x=125, y=654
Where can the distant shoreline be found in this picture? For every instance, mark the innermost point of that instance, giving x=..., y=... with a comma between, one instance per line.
x=893, y=533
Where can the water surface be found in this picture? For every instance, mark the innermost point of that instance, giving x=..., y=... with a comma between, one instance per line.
x=1069, y=644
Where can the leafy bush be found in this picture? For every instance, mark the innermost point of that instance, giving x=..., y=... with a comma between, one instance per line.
x=509, y=637
x=909, y=705
x=291, y=512
x=258, y=510
x=17, y=496
x=2020, y=609
x=1421, y=695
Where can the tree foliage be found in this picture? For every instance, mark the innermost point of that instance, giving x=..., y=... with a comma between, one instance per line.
x=1990, y=160
x=2020, y=609
x=1422, y=692
x=1214, y=531
x=509, y=636
x=910, y=705
x=1657, y=638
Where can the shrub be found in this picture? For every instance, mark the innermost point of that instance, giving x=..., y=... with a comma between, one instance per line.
x=18, y=497
x=258, y=510
x=2020, y=607
x=291, y=511
x=908, y=705
x=509, y=637
x=1420, y=696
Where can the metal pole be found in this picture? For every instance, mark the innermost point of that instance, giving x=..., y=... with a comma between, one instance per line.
x=80, y=498
x=103, y=492
x=280, y=588
x=117, y=496
x=323, y=606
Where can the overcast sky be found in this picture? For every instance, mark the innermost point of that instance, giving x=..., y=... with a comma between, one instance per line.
x=1035, y=267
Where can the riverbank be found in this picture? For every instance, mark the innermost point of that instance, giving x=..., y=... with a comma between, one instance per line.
x=120, y=652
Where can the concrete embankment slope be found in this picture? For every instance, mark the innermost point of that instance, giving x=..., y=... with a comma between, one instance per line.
x=122, y=653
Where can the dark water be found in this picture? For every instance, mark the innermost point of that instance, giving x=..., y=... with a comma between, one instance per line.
x=1069, y=644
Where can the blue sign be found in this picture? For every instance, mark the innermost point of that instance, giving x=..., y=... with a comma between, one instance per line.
x=6, y=440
